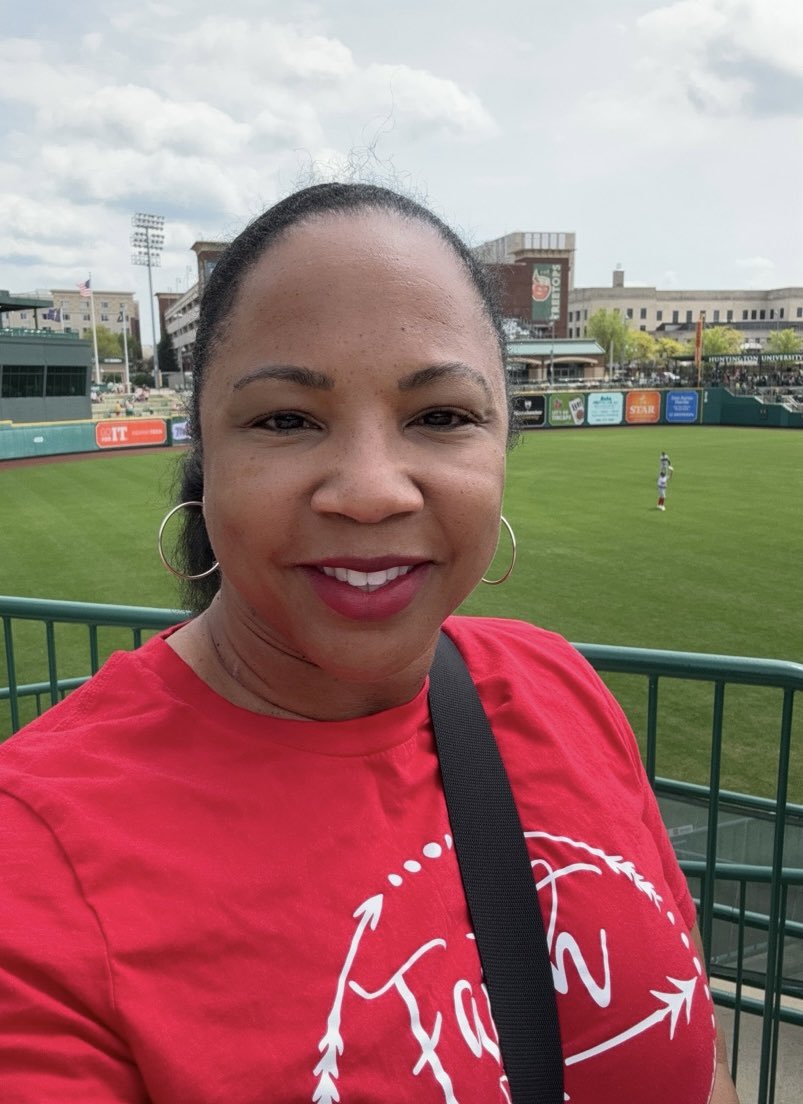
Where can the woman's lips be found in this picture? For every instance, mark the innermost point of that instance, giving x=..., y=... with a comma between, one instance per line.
x=368, y=592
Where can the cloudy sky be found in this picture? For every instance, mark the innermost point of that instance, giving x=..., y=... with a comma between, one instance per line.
x=668, y=136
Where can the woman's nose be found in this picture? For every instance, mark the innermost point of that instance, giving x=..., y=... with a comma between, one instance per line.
x=369, y=479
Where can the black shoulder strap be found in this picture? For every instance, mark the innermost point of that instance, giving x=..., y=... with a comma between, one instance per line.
x=498, y=883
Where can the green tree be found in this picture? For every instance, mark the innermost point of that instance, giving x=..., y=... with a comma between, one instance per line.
x=667, y=348
x=609, y=328
x=719, y=340
x=110, y=344
x=784, y=341
x=641, y=347
x=167, y=355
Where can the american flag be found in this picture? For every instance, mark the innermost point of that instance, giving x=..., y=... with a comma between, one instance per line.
x=84, y=289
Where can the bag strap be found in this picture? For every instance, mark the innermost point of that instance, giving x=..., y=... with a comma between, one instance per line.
x=498, y=883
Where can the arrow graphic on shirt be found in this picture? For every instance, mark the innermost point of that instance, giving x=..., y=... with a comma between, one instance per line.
x=331, y=1044
x=673, y=1005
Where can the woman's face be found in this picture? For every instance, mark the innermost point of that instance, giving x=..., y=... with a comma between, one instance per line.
x=354, y=425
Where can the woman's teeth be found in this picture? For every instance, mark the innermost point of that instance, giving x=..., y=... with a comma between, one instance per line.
x=366, y=580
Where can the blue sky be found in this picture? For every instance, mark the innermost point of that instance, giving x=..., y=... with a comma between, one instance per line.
x=667, y=136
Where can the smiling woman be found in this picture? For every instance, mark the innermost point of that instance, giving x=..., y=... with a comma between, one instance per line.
x=247, y=887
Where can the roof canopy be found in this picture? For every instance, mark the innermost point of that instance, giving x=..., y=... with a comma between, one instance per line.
x=10, y=302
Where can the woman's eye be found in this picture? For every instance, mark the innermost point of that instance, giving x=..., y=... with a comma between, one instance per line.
x=285, y=421
x=446, y=419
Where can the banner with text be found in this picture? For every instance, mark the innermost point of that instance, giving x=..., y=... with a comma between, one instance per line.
x=131, y=433
x=682, y=406
x=530, y=410
x=643, y=407
x=605, y=408
x=546, y=292
x=567, y=408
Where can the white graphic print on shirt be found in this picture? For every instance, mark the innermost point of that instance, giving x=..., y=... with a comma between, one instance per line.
x=587, y=971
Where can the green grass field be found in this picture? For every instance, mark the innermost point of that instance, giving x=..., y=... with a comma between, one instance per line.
x=720, y=571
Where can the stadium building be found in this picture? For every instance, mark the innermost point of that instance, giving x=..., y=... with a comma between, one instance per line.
x=178, y=314
x=44, y=372
x=671, y=313
x=65, y=310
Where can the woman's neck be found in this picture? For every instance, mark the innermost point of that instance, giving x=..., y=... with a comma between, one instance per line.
x=252, y=671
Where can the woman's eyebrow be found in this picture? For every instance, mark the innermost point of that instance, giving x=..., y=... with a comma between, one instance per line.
x=452, y=370
x=289, y=373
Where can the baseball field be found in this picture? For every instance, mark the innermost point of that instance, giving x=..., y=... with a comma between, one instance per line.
x=719, y=571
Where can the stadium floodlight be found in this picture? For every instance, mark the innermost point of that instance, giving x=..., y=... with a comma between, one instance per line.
x=148, y=241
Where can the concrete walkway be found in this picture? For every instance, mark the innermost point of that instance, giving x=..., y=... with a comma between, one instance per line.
x=789, y=1070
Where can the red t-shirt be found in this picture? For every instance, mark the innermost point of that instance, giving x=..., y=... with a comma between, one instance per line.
x=203, y=905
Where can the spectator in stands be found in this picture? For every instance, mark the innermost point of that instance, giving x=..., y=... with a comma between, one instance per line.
x=228, y=868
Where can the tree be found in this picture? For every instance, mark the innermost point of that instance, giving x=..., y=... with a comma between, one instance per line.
x=784, y=341
x=167, y=355
x=110, y=344
x=721, y=340
x=610, y=329
x=641, y=347
x=667, y=349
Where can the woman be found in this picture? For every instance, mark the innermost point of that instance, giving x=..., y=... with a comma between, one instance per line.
x=245, y=883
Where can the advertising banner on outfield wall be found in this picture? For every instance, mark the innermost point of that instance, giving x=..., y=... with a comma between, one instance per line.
x=530, y=410
x=682, y=406
x=605, y=408
x=132, y=433
x=643, y=407
x=179, y=432
x=567, y=408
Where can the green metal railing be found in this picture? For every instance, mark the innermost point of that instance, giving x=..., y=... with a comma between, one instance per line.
x=771, y=996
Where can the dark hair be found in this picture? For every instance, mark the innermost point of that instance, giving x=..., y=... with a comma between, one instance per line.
x=194, y=552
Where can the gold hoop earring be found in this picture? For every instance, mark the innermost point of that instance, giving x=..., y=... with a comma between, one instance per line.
x=163, y=558
x=512, y=535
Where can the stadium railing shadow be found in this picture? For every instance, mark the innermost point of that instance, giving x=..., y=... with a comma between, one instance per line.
x=742, y=853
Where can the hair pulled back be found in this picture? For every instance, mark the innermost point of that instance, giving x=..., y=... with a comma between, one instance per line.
x=194, y=552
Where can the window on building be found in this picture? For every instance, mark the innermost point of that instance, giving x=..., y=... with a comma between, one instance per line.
x=729, y=316
x=780, y=312
x=772, y=312
x=104, y=304
x=629, y=312
x=716, y=316
x=642, y=327
x=22, y=381
x=799, y=312
x=675, y=316
x=104, y=318
x=64, y=380
x=744, y=316
x=659, y=316
x=87, y=318
x=688, y=317
x=762, y=314
x=585, y=315
x=643, y=312
x=66, y=317
x=752, y=316
x=23, y=316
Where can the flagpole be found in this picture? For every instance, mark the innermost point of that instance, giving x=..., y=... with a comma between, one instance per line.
x=94, y=328
x=126, y=382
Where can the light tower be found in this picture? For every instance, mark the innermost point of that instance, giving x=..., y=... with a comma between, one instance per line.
x=148, y=240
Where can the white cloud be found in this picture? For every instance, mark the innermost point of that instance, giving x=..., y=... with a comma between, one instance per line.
x=166, y=107
x=721, y=52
